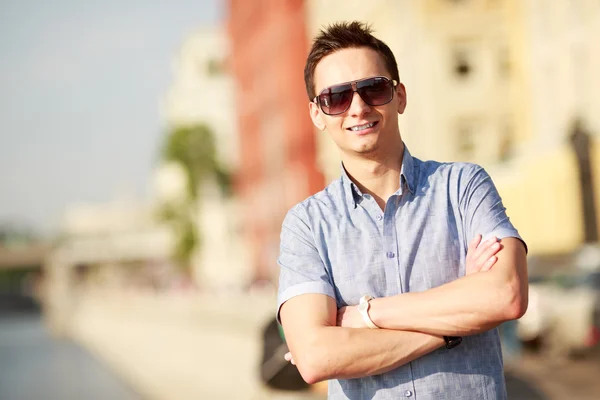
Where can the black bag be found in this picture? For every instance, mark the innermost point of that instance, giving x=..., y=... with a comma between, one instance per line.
x=275, y=371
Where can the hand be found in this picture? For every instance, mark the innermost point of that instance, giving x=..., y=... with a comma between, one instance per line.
x=349, y=317
x=481, y=257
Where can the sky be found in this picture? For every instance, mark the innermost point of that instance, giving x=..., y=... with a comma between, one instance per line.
x=80, y=89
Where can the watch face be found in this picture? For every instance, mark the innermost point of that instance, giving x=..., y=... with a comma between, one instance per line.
x=452, y=341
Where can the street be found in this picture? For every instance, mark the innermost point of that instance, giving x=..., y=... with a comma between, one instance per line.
x=33, y=365
x=537, y=377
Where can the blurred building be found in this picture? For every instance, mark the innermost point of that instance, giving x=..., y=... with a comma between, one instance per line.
x=111, y=235
x=202, y=92
x=115, y=232
x=107, y=245
x=129, y=231
x=277, y=142
x=499, y=83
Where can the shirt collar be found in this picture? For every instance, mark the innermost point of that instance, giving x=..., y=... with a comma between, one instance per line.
x=408, y=171
x=353, y=193
x=407, y=176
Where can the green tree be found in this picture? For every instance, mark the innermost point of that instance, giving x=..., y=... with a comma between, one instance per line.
x=194, y=148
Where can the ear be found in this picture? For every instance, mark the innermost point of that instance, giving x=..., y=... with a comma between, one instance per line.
x=401, y=96
x=316, y=115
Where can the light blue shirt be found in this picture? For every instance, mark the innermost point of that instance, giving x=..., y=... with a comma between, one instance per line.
x=341, y=244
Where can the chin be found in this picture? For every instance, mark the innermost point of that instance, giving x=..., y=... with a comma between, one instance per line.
x=366, y=150
x=367, y=146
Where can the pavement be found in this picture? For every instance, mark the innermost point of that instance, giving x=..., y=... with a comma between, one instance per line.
x=169, y=350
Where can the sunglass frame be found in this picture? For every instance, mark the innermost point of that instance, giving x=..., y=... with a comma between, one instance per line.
x=354, y=86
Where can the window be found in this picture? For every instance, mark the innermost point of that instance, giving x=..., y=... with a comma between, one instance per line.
x=506, y=140
x=504, y=64
x=463, y=59
x=465, y=139
x=462, y=64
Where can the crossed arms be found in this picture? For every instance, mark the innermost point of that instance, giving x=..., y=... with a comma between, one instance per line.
x=325, y=343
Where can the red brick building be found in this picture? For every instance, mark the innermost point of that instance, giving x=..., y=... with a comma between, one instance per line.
x=278, y=148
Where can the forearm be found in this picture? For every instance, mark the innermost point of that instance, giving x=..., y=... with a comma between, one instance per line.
x=346, y=353
x=467, y=306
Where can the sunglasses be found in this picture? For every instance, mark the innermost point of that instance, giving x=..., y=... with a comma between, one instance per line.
x=336, y=99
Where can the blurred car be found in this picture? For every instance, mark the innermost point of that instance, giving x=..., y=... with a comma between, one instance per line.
x=563, y=317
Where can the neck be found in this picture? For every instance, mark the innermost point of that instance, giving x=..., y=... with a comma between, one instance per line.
x=378, y=177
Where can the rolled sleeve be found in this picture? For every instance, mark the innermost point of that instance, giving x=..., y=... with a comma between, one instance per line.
x=302, y=270
x=483, y=211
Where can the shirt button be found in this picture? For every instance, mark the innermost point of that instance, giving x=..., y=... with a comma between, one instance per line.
x=390, y=254
x=408, y=393
x=379, y=217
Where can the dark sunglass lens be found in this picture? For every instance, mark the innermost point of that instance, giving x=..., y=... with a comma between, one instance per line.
x=375, y=91
x=336, y=100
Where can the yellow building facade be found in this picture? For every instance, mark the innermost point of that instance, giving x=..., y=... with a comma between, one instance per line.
x=499, y=83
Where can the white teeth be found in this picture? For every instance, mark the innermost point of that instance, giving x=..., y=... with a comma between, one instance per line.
x=361, y=127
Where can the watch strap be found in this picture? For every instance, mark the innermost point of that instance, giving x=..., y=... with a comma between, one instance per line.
x=452, y=341
x=363, y=308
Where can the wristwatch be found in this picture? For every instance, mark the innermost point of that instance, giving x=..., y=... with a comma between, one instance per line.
x=452, y=341
x=363, y=308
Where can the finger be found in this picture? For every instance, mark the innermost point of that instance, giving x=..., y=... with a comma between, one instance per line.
x=483, y=247
x=473, y=245
x=488, y=253
x=489, y=263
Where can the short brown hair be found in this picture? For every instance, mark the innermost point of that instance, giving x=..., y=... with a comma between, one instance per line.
x=344, y=35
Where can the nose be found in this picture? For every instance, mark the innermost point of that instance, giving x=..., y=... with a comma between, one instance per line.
x=358, y=107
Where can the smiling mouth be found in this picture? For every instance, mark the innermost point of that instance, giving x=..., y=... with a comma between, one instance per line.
x=359, y=128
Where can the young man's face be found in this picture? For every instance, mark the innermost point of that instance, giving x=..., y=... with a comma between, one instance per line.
x=347, y=129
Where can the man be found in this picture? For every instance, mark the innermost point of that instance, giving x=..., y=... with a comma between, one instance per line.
x=429, y=242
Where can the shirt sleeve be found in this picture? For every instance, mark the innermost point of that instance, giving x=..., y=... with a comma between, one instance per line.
x=302, y=269
x=483, y=211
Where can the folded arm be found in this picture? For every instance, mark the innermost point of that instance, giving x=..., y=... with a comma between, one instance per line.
x=476, y=302
x=322, y=350
x=469, y=305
